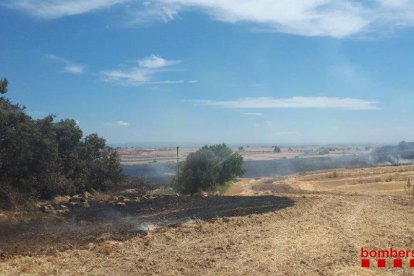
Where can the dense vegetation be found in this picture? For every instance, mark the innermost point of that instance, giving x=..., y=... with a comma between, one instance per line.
x=208, y=168
x=42, y=158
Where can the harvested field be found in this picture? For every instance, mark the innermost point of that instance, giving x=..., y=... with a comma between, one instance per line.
x=309, y=224
x=133, y=156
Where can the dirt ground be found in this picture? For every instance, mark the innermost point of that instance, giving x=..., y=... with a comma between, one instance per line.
x=310, y=224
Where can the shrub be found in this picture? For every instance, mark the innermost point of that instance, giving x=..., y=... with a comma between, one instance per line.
x=323, y=151
x=408, y=187
x=277, y=149
x=208, y=168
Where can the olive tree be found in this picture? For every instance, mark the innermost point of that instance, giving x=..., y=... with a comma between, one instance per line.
x=208, y=168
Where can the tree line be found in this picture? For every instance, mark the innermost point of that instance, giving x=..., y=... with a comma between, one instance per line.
x=42, y=158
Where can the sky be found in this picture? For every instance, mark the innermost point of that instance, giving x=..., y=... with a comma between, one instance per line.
x=210, y=71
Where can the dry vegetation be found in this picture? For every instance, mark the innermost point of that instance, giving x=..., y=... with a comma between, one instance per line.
x=310, y=224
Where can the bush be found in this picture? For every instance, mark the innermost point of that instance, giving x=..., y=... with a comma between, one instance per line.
x=277, y=149
x=208, y=168
x=408, y=187
x=323, y=151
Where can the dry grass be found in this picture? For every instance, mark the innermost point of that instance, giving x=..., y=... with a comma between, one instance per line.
x=332, y=218
x=101, y=196
x=387, y=180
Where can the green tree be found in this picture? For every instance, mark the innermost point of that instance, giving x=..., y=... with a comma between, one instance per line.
x=44, y=158
x=3, y=86
x=103, y=163
x=18, y=134
x=208, y=168
x=277, y=149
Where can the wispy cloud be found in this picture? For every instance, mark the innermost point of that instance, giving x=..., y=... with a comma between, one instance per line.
x=253, y=114
x=74, y=69
x=131, y=76
x=49, y=9
x=119, y=123
x=334, y=18
x=144, y=72
x=154, y=11
x=293, y=102
x=155, y=61
x=69, y=67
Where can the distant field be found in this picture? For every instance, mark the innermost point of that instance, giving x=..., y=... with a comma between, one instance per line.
x=383, y=180
x=159, y=164
x=131, y=156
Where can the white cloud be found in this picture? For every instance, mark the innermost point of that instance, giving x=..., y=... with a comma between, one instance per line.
x=144, y=73
x=130, y=76
x=155, y=61
x=69, y=67
x=304, y=17
x=119, y=123
x=293, y=102
x=49, y=9
x=253, y=114
x=334, y=18
x=152, y=11
x=74, y=69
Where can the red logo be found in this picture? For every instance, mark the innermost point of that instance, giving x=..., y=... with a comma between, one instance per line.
x=391, y=257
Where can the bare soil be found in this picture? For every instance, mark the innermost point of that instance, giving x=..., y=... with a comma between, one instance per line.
x=310, y=224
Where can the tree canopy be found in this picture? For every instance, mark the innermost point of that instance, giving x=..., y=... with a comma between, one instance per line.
x=43, y=158
x=208, y=168
x=3, y=86
x=277, y=149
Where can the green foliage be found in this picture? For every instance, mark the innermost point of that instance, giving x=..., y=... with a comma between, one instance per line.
x=323, y=151
x=277, y=149
x=43, y=158
x=208, y=168
x=3, y=86
x=221, y=189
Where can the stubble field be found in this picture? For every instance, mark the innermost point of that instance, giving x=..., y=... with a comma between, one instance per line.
x=309, y=224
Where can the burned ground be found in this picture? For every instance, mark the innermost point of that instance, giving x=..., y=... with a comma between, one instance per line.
x=308, y=224
x=82, y=226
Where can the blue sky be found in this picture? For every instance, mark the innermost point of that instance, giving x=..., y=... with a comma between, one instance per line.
x=207, y=71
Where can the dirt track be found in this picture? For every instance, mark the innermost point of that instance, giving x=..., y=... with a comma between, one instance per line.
x=320, y=234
